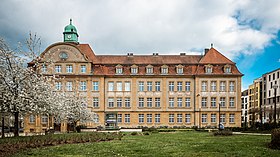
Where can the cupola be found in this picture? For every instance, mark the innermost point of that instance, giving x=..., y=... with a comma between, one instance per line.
x=70, y=33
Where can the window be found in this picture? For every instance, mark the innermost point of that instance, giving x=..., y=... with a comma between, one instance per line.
x=223, y=118
x=222, y=102
x=204, y=86
x=110, y=86
x=44, y=119
x=213, y=86
x=127, y=118
x=127, y=86
x=188, y=118
x=227, y=69
x=58, y=68
x=179, y=86
x=31, y=119
x=157, y=86
x=179, y=118
x=83, y=85
x=213, y=101
x=149, y=69
x=119, y=86
x=213, y=118
x=171, y=118
x=157, y=102
x=95, y=85
x=157, y=118
x=119, y=69
x=83, y=68
x=141, y=86
x=127, y=102
x=171, y=102
x=134, y=70
x=231, y=86
x=69, y=69
x=180, y=69
x=149, y=118
x=188, y=86
x=188, y=102
x=110, y=102
x=164, y=69
x=58, y=85
x=204, y=118
x=140, y=102
x=95, y=102
x=179, y=102
x=119, y=102
x=44, y=68
x=204, y=102
x=119, y=118
x=141, y=118
x=69, y=86
x=231, y=118
x=231, y=102
x=171, y=86
x=222, y=86
x=149, y=102
x=208, y=69
x=149, y=86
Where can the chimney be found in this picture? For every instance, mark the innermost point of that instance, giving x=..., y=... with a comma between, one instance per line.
x=129, y=54
x=155, y=54
x=205, y=51
x=182, y=54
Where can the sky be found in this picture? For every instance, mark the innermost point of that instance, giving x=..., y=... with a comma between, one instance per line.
x=246, y=31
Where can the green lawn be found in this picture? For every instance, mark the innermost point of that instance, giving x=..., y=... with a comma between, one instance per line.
x=165, y=144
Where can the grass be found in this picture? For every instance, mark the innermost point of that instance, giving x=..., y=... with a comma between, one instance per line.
x=165, y=144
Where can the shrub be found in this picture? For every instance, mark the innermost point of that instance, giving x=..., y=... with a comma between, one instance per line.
x=223, y=133
x=275, y=139
x=146, y=133
x=134, y=133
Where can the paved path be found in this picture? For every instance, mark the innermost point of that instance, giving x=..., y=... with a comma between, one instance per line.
x=243, y=133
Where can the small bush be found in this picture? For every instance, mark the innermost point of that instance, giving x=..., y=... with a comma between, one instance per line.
x=134, y=133
x=146, y=133
x=275, y=139
x=223, y=133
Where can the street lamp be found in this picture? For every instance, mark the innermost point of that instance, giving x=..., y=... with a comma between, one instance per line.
x=275, y=90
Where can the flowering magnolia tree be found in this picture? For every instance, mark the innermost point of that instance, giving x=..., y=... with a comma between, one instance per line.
x=25, y=91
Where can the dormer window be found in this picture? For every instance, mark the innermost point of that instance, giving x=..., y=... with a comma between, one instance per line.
x=164, y=69
x=134, y=69
x=119, y=69
x=149, y=69
x=208, y=69
x=227, y=69
x=180, y=69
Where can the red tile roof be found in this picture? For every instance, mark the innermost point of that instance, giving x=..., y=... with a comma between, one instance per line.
x=215, y=57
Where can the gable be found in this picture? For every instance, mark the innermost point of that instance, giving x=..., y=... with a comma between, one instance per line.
x=215, y=57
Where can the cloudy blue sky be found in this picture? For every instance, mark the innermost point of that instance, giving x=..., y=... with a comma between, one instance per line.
x=246, y=31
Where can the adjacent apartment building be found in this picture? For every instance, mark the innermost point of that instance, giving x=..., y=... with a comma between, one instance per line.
x=244, y=108
x=144, y=90
x=254, y=93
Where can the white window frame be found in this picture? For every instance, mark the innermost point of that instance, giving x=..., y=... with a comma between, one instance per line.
x=171, y=118
x=149, y=102
x=95, y=86
x=171, y=86
x=204, y=102
x=110, y=86
x=119, y=118
x=134, y=70
x=179, y=86
x=171, y=102
x=188, y=86
x=141, y=86
x=119, y=70
x=157, y=102
x=69, y=86
x=140, y=118
x=231, y=118
x=83, y=69
x=69, y=68
x=222, y=86
x=127, y=86
x=119, y=86
x=127, y=102
x=213, y=102
x=83, y=85
x=157, y=118
x=179, y=118
x=58, y=68
x=31, y=118
x=127, y=118
x=187, y=102
x=213, y=118
x=44, y=68
x=231, y=102
x=179, y=102
x=204, y=86
x=223, y=118
x=203, y=118
x=149, y=69
x=180, y=70
x=149, y=118
x=222, y=102
x=157, y=85
x=58, y=86
x=141, y=102
x=231, y=86
x=95, y=102
x=44, y=119
x=119, y=102
x=213, y=86
x=110, y=102
x=149, y=86
x=188, y=118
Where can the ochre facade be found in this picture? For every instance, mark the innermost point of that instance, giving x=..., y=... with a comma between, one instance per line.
x=154, y=90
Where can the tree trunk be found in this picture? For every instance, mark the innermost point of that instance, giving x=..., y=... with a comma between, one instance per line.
x=3, y=125
x=16, y=129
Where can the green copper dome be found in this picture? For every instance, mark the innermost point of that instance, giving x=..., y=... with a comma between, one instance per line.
x=70, y=27
x=70, y=33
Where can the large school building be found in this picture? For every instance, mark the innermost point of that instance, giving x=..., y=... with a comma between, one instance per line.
x=144, y=90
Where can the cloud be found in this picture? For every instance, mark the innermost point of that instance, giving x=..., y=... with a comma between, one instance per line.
x=236, y=27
